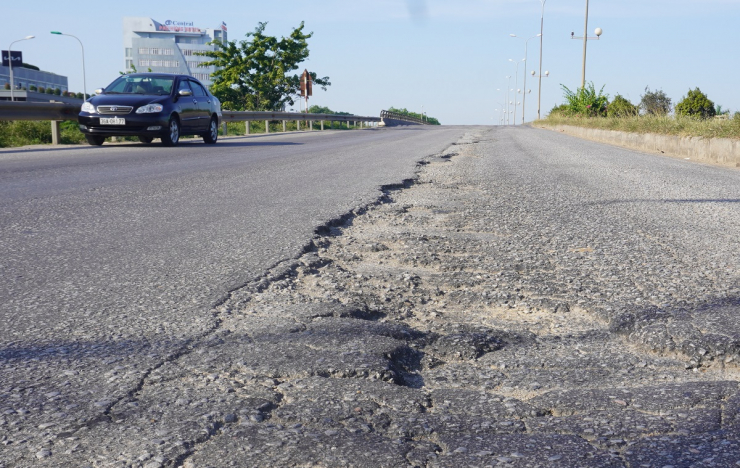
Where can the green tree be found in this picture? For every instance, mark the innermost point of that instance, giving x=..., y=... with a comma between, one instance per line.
x=655, y=102
x=696, y=104
x=621, y=107
x=719, y=110
x=586, y=101
x=254, y=74
x=324, y=110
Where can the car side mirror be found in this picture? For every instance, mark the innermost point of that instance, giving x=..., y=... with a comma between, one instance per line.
x=99, y=91
x=185, y=92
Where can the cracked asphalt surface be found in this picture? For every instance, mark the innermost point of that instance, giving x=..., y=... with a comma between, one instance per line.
x=523, y=299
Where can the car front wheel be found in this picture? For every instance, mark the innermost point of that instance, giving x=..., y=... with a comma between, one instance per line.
x=95, y=140
x=172, y=137
x=212, y=135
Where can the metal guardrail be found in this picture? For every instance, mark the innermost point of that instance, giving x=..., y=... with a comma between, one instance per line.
x=38, y=110
x=57, y=111
x=237, y=116
x=406, y=118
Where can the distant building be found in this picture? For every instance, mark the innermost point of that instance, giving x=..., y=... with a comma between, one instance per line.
x=169, y=47
x=26, y=78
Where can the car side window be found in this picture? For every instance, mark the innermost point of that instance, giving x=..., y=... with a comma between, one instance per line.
x=183, y=86
x=198, y=89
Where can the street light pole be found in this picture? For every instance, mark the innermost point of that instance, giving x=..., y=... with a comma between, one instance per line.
x=10, y=64
x=508, y=85
x=516, y=82
x=524, y=99
x=598, y=33
x=542, y=31
x=501, y=111
x=585, y=41
x=84, y=80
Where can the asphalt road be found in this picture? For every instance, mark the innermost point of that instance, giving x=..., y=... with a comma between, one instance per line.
x=114, y=242
x=119, y=253
x=531, y=299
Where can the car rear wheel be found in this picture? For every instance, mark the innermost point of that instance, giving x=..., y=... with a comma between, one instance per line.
x=212, y=135
x=95, y=140
x=172, y=137
x=145, y=139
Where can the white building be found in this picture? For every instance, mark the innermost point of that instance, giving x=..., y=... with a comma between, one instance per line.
x=169, y=47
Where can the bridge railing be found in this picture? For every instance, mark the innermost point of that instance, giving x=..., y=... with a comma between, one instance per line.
x=402, y=117
x=58, y=111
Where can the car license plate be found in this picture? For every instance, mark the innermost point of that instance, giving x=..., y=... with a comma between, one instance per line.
x=112, y=121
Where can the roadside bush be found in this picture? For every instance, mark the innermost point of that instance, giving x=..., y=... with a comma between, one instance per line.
x=655, y=102
x=32, y=88
x=42, y=89
x=621, y=107
x=696, y=104
x=49, y=91
x=79, y=96
x=23, y=132
x=586, y=101
x=26, y=132
x=561, y=110
x=7, y=86
x=70, y=133
x=57, y=92
x=719, y=110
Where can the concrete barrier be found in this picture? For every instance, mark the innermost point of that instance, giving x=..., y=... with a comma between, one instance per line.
x=721, y=151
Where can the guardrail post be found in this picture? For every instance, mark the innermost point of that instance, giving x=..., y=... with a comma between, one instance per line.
x=267, y=126
x=283, y=126
x=322, y=125
x=223, y=125
x=298, y=125
x=310, y=125
x=246, y=127
x=56, y=132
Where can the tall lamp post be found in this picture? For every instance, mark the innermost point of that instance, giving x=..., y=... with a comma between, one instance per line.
x=508, y=86
x=542, y=31
x=84, y=81
x=501, y=112
x=524, y=99
x=516, y=81
x=10, y=64
x=585, y=38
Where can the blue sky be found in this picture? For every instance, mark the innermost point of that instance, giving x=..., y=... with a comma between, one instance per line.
x=448, y=56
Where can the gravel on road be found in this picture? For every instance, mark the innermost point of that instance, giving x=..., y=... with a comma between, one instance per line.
x=528, y=300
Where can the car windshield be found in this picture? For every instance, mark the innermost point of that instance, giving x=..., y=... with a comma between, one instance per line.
x=156, y=85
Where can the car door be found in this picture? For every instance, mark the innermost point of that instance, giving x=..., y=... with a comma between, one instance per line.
x=204, y=105
x=187, y=107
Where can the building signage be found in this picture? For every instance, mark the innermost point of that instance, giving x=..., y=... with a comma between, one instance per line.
x=178, y=26
x=15, y=55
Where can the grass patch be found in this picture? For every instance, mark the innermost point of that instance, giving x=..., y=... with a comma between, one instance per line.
x=31, y=132
x=662, y=125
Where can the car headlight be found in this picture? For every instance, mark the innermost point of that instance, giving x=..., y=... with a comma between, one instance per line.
x=149, y=109
x=87, y=107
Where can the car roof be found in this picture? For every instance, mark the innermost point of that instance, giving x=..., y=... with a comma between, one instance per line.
x=160, y=74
